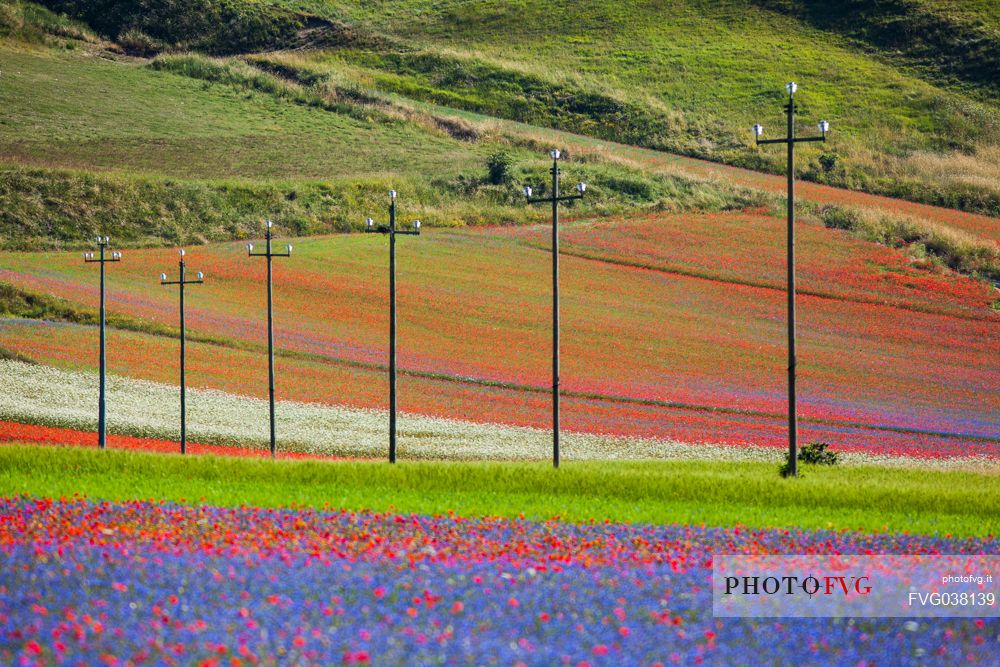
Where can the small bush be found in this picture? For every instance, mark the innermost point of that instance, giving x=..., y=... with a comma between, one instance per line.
x=499, y=168
x=828, y=161
x=137, y=43
x=835, y=217
x=817, y=453
x=785, y=470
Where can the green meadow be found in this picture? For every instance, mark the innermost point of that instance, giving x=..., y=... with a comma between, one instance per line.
x=157, y=127
x=189, y=149
x=956, y=503
x=914, y=119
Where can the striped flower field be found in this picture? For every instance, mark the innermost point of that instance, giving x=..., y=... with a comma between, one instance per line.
x=682, y=346
x=673, y=414
x=158, y=583
x=596, y=408
x=48, y=405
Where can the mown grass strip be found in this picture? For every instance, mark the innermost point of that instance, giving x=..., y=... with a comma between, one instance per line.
x=956, y=503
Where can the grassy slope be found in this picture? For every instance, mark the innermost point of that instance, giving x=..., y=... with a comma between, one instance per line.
x=712, y=69
x=74, y=110
x=150, y=155
x=955, y=503
x=70, y=110
x=956, y=43
x=682, y=82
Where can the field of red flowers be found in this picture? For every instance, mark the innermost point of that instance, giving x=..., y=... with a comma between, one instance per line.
x=328, y=381
x=691, y=348
x=748, y=249
x=49, y=435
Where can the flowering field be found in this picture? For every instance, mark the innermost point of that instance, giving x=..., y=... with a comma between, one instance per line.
x=747, y=248
x=148, y=413
x=691, y=350
x=53, y=435
x=126, y=583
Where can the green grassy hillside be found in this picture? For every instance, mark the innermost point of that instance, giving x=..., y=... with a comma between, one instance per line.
x=913, y=107
x=184, y=148
x=188, y=149
x=955, y=41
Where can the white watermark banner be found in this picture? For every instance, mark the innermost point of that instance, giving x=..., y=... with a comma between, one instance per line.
x=794, y=586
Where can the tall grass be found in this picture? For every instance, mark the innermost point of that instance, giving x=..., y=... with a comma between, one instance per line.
x=979, y=170
x=957, y=503
x=921, y=238
x=30, y=22
x=245, y=75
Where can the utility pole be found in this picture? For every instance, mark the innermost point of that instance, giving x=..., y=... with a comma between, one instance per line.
x=392, y=231
x=270, y=254
x=102, y=258
x=790, y=139
x=555, y=199
x=181, y=282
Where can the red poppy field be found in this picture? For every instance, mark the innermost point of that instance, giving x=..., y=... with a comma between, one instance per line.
x=749, y=249
x=12, y=432
x=673, y=327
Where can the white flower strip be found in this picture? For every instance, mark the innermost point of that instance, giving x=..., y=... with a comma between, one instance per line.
x=43, y=395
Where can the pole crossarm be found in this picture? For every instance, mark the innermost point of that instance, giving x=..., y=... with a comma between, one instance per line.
x=272, y=253
x=180, y=282
x=385, y=229
x=797, y=140
x=392, y=231
x=549, y=200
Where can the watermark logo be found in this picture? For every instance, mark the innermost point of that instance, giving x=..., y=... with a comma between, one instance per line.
x=855, y=586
